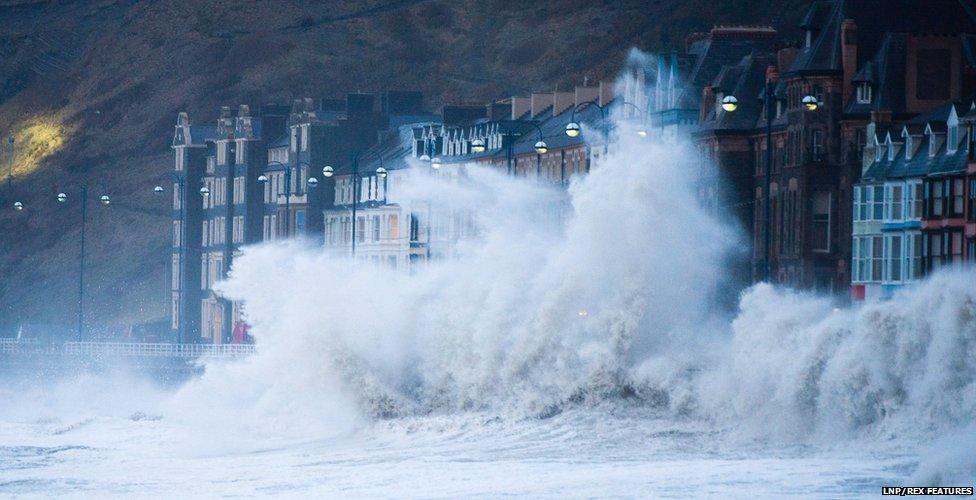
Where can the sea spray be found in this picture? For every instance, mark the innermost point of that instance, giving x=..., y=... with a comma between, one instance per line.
x=614, y=302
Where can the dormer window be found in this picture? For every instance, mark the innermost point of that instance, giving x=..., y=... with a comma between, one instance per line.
x=891, y=151
x=953, y=138
x=864, y=93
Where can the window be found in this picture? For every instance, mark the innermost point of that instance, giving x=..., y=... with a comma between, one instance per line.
x=913, y=256
x=176, y=271
x=177, y=197
x=221, y=153
x=892, y=258
x=821, y=221
x=360, y=229
x=864, y=93
x=958, y=200
x=300, y=221
x=952, y=140
x=915, y=201
x=934, y=251
x=415, y=228
x=176, y=311
x=935, y=198
x=877, y=257
x=954, y=240
x=857, y=204
x=972, y=200
x=204, y=271
x=867, y=258
x=877, y=202
x=816, y=145
x=176, y=233
x=239, y=156
x=376, y=228
x=394, y=223
x=206, y=231
x=893, y=202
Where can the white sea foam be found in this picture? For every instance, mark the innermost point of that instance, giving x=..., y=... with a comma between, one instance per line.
x=477, y=372
x=498, y=328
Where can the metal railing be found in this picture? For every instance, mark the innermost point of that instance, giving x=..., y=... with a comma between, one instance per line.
x=126, y=349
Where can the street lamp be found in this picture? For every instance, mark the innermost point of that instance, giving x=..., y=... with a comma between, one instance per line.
x=478, y=146
x=731, y=104
x=18, y=206
x=205, y=191
x=158, y=189
x=262, y=178
x=327, y=171
x=573, y=128
x=541, y=147
x=810, y=103
x=435, y=163
x=62, y=197
x=312, y=182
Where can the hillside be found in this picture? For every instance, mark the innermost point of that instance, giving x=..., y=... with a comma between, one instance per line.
x=90, y=91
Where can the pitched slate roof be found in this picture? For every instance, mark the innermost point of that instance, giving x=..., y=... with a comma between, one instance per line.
x=746, y=78
x=886, y=73
x=723, y=47
x=874, y=18
x=922, y=163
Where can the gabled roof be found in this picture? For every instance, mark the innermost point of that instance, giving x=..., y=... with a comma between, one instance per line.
x=886, y=73
x=922, y=163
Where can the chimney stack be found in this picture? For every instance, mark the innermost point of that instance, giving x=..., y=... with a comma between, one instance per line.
x=606, y=93
x=785, y=58
x=586, y=94
x=707, y=102
x=520, y=106
x=539, y=103
x=848, y=55
x=561, y=101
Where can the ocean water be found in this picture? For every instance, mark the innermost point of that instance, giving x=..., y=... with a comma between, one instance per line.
x=621, y=452
x=576, y=356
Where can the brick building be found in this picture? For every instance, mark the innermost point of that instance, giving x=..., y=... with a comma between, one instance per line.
x=861, y=61
x=246, y=180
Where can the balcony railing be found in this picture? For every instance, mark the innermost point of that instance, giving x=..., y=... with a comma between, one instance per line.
x=127, y=349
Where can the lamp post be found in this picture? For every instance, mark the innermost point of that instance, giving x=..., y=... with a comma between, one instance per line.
x=478, y=146
x=263, y=179
x=435, y=164
x=10, y=164
x=104, y=200
x=730, y=104
x=328, y=171
x=181, y=326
